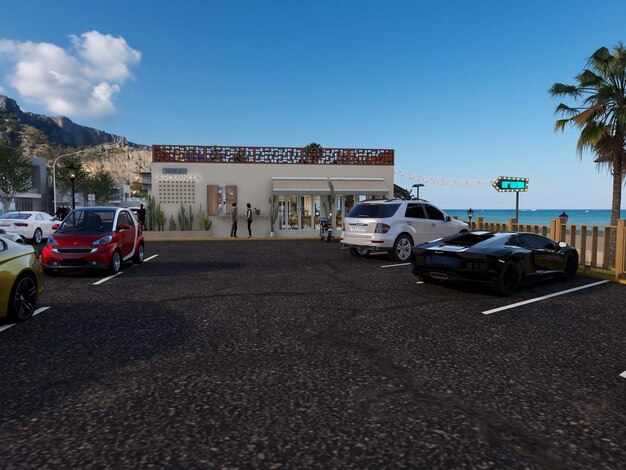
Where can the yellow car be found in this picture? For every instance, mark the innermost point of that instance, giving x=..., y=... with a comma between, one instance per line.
x=21, y=276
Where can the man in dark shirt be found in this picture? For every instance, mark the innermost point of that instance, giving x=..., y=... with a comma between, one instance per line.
x=141, y=216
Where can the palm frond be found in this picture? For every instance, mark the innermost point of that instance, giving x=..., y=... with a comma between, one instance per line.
x=566, y=110
x=559, y=125
x=589, y=79
x=561, y=89
x=590, y=114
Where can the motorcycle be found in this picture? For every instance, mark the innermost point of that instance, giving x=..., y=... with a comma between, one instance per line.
x=326, y=231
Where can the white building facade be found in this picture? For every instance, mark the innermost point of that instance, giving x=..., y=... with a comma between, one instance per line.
x=290, y=189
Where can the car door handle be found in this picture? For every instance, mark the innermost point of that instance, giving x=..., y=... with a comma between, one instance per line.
x=433, y=225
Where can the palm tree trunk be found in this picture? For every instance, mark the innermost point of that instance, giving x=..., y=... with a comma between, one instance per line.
x=618, y=176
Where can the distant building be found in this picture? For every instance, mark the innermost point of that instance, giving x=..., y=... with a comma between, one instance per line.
x=297, y=186
x=38, y=197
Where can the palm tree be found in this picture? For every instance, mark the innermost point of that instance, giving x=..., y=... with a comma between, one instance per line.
x=601, y=116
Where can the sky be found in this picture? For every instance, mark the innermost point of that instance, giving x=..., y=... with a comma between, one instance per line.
x=458, y=89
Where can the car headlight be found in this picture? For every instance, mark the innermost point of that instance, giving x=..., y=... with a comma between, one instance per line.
x=103, y=241
x=52, y=241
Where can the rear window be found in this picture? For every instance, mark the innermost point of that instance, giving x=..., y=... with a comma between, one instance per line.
x=15, y=215
x=373, y=211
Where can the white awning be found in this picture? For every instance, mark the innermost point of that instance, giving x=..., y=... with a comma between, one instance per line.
x=359, y=186
x=300, y=186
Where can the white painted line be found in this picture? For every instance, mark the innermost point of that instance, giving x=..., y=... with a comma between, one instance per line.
x=623, y=374
x=148, y=259
x=36, y=312
x=39, y=310
x=395, y=265
x=378, y=253
x=506, y=307
x=419, y=282
x=106, y=279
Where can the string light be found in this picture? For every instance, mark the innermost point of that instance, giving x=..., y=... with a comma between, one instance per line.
x=455, y=182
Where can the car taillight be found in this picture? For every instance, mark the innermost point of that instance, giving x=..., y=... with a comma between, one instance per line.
x=20, y=224
x=382, y=228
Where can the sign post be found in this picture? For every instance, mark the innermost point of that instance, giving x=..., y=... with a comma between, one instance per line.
x=510, y=184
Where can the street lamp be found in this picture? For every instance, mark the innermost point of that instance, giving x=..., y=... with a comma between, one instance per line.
x=72, y=170
x=54, y=175
x=564, y=216
x=418, y=186
x=470, y=214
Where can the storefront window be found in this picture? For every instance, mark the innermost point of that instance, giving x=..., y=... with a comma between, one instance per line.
x=316, y=212
x=292, y=210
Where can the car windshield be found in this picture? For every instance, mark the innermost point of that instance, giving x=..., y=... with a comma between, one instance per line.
x=373, y=211
x=15, y=215
x=467, y=239
x=88, y=221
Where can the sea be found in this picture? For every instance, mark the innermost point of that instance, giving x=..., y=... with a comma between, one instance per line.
x=539, y=216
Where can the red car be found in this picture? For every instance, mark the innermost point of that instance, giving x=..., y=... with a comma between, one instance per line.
x=94, y=237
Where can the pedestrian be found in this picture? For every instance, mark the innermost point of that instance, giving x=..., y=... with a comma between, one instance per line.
x=141, y=216
x=233, y=216
x=249, y=219
x=59, y=213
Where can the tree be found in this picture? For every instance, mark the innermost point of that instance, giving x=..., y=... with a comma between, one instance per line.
x=62, y=174
x=101, y=184
x=600, y=116
x=15, y=175
x=312, y=152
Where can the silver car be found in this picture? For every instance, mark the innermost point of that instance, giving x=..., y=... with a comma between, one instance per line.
x=395, y=226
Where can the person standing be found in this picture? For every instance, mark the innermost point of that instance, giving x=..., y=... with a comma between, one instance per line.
x=233, y=217
x=141, y=216
x=249, y=219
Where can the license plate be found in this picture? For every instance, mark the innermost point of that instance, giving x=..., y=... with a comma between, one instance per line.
x=358, y=228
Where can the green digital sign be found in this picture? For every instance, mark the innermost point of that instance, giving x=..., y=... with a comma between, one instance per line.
x=510, y=184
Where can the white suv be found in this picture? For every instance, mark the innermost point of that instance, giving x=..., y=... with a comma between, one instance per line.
x=395, y=226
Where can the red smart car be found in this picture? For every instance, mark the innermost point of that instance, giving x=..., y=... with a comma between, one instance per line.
x=94, y=237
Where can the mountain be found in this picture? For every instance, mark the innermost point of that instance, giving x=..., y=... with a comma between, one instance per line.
x=49, y=137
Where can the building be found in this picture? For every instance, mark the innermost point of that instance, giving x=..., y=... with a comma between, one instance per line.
x=289, y=188
x=37, y=198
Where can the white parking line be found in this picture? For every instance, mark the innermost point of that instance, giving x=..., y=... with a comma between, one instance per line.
x=106, y=279
x=36, y=312
x=623, y=374
x=530, y=301
x=419, y=282
x=148, y=259
x=395, y=265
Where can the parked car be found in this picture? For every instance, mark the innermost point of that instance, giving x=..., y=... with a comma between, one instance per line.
x=395, y=226
x=20, y=280
x=504, y=261
x=31, y=225
x=94, y=237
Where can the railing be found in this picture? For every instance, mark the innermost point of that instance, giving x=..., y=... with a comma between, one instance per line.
x=593, y=242
x=275, y=155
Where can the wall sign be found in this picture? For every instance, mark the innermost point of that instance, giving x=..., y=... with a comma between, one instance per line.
x=504, y=184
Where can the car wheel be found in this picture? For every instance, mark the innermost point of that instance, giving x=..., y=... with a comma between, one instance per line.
x=571, y=268
x=116, y=263
x=37, y=236
x=23, y=300
x=138, y=258
x=359, y=251
x=509, y=279
x=402, y=249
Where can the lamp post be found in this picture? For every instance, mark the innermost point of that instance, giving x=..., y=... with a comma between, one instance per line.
x=418, y=186
x=470, y=214
x=564, y=216
x=72, y=169
x=54, y=175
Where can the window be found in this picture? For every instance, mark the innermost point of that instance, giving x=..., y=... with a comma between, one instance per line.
x=38, y=217
x=433, y=212
x=536, y=242
x=415, y=211
x=374, y=211
x=123, y=218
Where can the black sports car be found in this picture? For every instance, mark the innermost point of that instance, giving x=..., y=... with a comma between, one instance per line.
x=502, y=260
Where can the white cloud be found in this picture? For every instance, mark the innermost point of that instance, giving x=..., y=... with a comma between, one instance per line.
x=80, y=85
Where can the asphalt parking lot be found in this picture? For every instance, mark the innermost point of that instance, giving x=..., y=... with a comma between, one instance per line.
x=291, y=354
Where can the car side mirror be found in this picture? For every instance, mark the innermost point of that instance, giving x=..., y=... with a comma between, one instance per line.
x=123, y=227
x=447, y=218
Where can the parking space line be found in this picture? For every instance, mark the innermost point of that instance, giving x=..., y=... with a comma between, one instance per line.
x=148, y=259
x=395, y=265
x=537, y=299
x=419, y=282
x=106, y=279
x=36, y=312
x=623, y=374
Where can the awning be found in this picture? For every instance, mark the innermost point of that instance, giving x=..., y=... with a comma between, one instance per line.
x=300, y=186
x=359, y=186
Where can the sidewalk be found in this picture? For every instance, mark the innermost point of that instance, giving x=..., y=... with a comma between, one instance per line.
x=201, y=235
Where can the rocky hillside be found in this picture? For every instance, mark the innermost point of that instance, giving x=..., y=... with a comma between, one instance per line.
x=50, y=137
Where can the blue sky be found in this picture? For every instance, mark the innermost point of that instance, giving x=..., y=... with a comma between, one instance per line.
x=459, y=89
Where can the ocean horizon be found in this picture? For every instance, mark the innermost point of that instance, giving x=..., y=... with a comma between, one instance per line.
x=539, y=216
